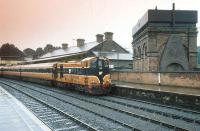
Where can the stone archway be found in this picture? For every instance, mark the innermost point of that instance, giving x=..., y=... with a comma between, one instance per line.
x=174, y=67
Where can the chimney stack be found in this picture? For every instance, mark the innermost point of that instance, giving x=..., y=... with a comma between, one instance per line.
x=64, y=45
x=80, y=42
x=99, y=38
x=108, y=36
x=50, y=50
x=173, y=6
x=173, y=14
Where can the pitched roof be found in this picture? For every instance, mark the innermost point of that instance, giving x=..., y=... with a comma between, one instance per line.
x=70, y=50
x=77, y=50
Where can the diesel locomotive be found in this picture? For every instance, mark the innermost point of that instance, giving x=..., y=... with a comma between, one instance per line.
x=89, y=75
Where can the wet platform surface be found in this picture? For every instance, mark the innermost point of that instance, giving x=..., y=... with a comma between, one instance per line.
x=14, y=116
x=171, y=89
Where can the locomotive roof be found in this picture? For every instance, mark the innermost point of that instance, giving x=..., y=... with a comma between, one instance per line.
x=88, y=58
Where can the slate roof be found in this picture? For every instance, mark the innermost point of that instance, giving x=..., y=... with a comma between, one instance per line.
x=75, y=50
x=70, y=50
x=54, y=57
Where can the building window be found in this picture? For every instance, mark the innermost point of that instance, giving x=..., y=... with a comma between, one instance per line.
x=139, y=52
x=134, y=53
x=144, y=50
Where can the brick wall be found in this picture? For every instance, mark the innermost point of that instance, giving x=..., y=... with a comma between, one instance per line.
x=183, y=79
x=135, y=77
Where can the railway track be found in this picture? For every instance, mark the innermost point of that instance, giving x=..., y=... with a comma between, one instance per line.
x=133, y=103
x=176, y=115
x=161, y=105
x=190, y=123
x=111, y=124
x=55, y=118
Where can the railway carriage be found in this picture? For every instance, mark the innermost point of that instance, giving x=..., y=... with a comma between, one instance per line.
x=90, y=75
x=11, y=71
x=38, y=71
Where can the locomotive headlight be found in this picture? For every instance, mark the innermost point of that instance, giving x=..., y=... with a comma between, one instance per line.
x=100, y=73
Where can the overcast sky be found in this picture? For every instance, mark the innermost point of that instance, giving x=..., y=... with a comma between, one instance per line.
x=35, y=23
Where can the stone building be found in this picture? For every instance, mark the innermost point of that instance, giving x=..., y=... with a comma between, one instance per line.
x=119, y=57
x=165, y=40
x=198, y=57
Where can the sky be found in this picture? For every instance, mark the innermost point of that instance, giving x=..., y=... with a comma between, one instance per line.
x=35, y=23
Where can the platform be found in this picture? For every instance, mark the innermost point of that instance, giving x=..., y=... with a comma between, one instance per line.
x=14, y=116
x=167, y=89
x=176, y=96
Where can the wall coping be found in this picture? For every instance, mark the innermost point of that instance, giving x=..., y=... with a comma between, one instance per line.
x=158, y=72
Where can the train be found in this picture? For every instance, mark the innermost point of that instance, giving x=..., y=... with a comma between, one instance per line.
x=89, y=75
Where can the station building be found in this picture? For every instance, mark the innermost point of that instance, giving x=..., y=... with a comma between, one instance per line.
x=119, y=57
x=165, y=41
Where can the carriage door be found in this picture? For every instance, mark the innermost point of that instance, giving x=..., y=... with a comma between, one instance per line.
x=55, y=72
x=61, y=71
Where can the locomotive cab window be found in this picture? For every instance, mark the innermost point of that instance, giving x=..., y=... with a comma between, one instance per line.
x=100, y=63
x=93, y=64
x=106, y=64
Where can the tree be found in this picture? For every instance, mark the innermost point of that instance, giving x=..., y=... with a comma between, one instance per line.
x=10, y=51
x=29, y=52
x=48, y=48
x=39, y=52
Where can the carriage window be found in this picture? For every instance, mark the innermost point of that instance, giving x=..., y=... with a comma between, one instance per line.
x=66, y=70
x=49, y=70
